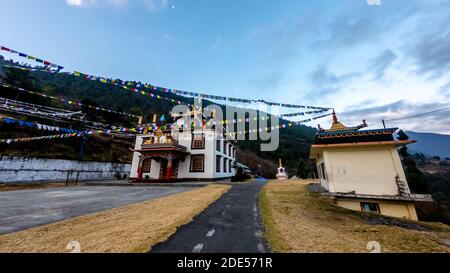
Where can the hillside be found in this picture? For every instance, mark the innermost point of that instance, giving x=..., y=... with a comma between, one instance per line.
x=294, y=142
x=299, y=220
x=431, y=144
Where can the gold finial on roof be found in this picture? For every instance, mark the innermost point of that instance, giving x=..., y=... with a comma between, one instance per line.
x=337, y=126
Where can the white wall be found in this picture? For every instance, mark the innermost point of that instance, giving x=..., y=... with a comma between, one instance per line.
x=364, y=171
x=135, y=162
x=184, y=168
x=14, y=169
x=185, y=139
x=224, y=156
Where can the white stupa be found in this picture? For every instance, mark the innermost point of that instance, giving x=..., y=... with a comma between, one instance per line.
x=281, y=175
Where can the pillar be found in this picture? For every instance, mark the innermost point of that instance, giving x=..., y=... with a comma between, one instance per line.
x=140, y=173
x=169, y=168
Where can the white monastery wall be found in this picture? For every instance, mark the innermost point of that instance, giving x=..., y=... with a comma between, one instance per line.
x=15, y=169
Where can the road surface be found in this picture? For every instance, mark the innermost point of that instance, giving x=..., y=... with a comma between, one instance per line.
x=30, y=208
x=230, y=225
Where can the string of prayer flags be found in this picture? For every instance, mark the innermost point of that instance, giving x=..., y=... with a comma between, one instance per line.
x=68, y=101
x=29, y=139
x=36, y=125
x=29, y=57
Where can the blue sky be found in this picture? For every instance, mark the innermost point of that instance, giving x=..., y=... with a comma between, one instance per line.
x=368, y=61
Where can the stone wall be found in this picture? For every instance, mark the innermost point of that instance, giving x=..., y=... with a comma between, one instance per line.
x=27, y=170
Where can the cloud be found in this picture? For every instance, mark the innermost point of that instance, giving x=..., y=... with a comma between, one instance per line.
x=326, y=82
x=280, y=41
x=445, y=89
x=151, y=5
x=431, y=54
x=87, y=3
x=271, y=81
x=428, y=43
x=154, y=5
x=382, y=62
x=400, y=109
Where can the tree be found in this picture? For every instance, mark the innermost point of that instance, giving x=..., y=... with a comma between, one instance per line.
x=415, y=177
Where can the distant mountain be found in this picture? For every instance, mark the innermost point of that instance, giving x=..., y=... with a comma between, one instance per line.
x=430, y=144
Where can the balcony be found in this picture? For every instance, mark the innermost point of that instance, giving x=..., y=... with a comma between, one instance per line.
x=171, y=146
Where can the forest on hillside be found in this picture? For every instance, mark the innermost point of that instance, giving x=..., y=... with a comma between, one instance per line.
x=294, y=145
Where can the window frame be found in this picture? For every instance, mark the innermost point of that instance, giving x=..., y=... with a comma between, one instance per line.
x=225, y=164
x=218, y=164
x=191, y=167
x=149, y=165
x=218, y=145
x=194, y=140
x=377, y=206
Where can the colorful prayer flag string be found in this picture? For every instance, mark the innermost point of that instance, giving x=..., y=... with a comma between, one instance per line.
x=68, y=101
x=29, y=139
x=137, y=87
x=29, y=57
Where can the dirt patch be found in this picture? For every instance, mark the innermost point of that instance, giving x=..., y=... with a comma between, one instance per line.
x=132, y=228
x=297, y=220
x=35, y=186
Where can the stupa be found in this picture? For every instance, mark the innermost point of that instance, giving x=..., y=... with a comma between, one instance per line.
x=281, y=175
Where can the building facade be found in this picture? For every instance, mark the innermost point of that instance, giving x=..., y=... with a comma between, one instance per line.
x=362, y=170
x=190, y=156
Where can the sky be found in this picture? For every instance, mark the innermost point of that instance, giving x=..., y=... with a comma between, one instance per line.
x=368, y=59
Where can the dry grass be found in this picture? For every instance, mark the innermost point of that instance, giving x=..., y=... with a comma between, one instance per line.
x=132, y=228
x=35, y=186
x=299, y=221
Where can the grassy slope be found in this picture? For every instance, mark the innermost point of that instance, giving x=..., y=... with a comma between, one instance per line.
x=297, y=220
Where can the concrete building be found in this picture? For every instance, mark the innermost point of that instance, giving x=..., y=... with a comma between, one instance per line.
x=189, y=155
x=362, y=170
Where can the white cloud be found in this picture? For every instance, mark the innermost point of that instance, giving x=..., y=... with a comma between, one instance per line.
x=152, y=5
x=75, y=2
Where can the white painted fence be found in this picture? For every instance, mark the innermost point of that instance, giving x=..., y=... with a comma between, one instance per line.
x=16, y=169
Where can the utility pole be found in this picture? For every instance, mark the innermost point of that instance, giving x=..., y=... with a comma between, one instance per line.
x=384, y=124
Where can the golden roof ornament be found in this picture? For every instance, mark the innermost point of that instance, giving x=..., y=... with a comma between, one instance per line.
x=159, y=133
x=338, y=126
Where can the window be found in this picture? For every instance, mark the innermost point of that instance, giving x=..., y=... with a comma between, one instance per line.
x=218, y=144
x=229, y=149
x=198, y=142
x=234, y=152
x=225, y=165
x=370, y=207
x=197, y=163
x=147, y=165
x=322, y=171
x=230, y=165
x=218, y=158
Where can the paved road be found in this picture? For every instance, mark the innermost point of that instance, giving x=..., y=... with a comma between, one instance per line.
x=230, y=225
x=30, y=208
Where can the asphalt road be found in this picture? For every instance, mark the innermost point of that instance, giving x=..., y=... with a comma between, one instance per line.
x=230, y=225
x=20, y=210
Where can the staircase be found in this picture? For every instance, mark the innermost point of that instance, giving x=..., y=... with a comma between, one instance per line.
x=403, y=189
